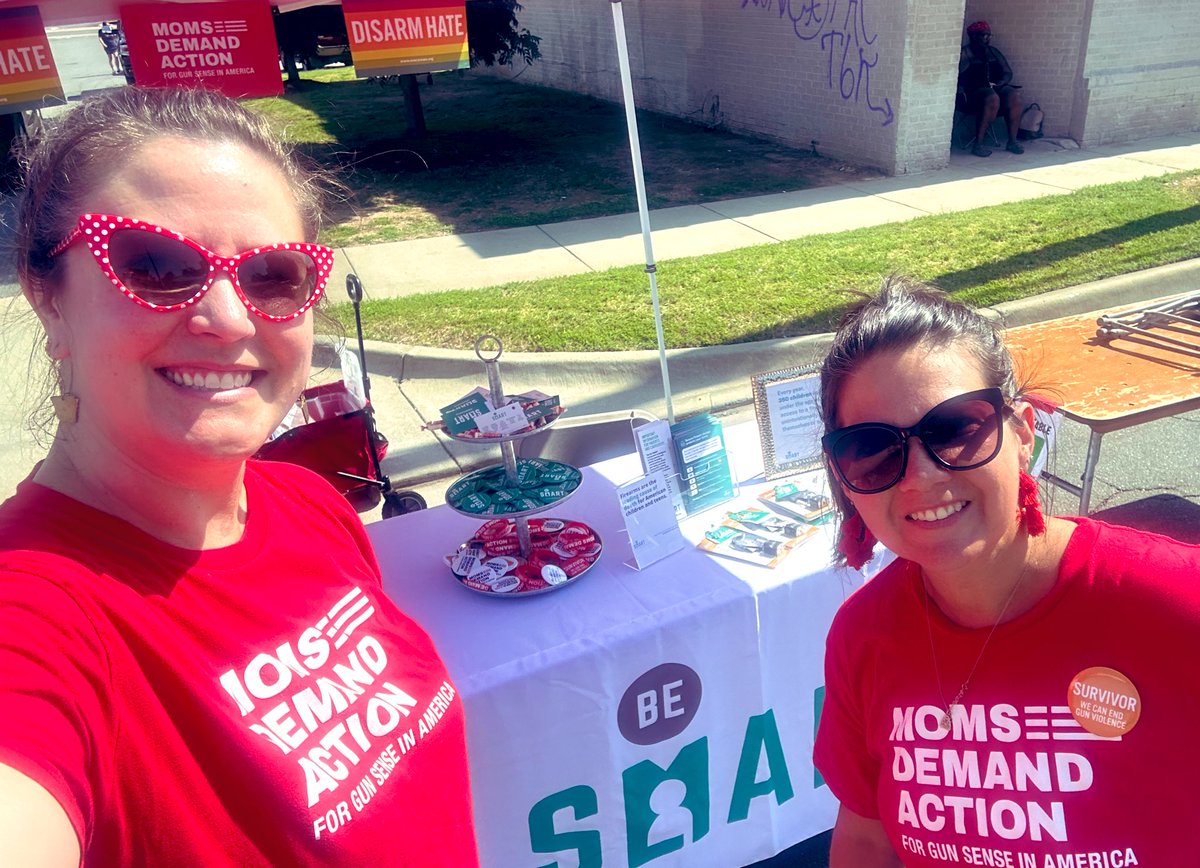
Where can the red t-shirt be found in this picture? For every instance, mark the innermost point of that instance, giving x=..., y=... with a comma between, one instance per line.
x=1018, y=780
x=259, y=704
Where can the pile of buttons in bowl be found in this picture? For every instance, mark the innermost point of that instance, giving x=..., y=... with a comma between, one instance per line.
x=539, y=483
x=560, y=552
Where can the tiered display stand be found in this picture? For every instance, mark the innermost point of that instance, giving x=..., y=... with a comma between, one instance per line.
x=514, y=555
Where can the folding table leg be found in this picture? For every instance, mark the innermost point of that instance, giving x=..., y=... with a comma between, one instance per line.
x=1089, y=471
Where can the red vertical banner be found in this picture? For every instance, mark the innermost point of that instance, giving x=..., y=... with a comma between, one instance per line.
x=391, y=37
x=28, y=76
x=228, y=46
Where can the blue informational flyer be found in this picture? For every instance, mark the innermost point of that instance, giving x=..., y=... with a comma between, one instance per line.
x=705, y=476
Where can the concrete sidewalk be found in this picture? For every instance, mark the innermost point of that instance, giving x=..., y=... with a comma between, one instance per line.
x=410, y=384
x=489, y=258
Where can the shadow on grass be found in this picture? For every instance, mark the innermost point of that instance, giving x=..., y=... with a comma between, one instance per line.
x=811, y=324
x=1002, y=269
x=1005, y=269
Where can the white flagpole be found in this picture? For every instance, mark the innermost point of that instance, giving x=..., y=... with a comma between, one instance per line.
x=639, y=181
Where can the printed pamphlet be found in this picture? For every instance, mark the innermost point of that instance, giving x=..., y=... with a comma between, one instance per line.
x=705, y=475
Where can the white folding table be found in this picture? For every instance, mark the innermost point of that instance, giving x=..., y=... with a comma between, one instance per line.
x=662, y=716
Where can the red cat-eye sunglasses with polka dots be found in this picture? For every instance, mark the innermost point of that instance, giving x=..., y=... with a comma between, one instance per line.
x=163, y=270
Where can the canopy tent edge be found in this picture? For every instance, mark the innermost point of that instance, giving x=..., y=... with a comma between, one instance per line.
x=58, y=13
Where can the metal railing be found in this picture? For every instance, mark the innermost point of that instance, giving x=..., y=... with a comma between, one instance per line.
x=1172, y=324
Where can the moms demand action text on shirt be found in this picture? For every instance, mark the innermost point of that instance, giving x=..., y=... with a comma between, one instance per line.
x=974, y=784
x=346, y=720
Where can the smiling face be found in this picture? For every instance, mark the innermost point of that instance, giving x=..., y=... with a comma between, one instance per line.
x=181, y=389
x=942, y=519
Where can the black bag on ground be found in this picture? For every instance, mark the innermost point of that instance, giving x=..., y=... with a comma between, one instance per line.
x=1030, y=126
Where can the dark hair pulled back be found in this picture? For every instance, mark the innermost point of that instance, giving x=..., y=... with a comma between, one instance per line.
x=902, y=315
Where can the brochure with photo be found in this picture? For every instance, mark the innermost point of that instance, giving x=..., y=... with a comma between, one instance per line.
x=756, y=535
x=706, y=479
x=805, y=496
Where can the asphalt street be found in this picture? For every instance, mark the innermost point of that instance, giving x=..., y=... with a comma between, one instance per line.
x=81, y=61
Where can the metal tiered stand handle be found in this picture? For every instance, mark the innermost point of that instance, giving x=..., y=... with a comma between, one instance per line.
x=489, y=348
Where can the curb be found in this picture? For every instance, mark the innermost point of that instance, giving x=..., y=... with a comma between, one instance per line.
x=713, y=379
x=1125, y=289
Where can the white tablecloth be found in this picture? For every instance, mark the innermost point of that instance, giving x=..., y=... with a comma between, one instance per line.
x=555, y=780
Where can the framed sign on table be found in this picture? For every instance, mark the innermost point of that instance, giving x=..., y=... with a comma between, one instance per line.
x=787, y=405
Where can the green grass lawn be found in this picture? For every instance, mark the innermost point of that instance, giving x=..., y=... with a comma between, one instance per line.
x=984, y=257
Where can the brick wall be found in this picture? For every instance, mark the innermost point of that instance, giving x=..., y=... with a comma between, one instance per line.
x=773, y=68
x=929, y=80
x=873, y=81
x=1141, y=72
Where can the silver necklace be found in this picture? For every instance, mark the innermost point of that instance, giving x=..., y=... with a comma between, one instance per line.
x=937, y=672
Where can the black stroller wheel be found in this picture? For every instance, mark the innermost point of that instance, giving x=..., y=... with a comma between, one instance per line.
x=402, y=502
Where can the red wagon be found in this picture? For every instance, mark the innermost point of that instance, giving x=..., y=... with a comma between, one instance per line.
x=338, y=439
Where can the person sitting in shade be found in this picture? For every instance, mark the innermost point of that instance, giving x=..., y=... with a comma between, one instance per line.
x=986, y=90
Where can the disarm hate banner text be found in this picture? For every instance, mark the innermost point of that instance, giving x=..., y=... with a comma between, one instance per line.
x=391, y=37
x=28, y=77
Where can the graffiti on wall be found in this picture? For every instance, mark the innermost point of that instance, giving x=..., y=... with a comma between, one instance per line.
x=839, y=28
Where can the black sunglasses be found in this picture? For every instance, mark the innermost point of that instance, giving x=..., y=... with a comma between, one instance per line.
x=961, y=433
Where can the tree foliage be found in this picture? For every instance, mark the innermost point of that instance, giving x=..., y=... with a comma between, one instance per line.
x=495, y=35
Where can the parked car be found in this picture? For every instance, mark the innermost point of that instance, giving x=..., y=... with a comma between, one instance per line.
x=123, y=53
x=313, y=37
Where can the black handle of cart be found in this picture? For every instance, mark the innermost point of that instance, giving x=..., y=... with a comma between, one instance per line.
x=354, y=289
x=395, y=502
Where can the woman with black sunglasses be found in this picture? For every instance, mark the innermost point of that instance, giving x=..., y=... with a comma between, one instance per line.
x=1014, y=689
x=198, y=664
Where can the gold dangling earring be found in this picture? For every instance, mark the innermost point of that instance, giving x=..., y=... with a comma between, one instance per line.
x=66, y=404
x=66, y=408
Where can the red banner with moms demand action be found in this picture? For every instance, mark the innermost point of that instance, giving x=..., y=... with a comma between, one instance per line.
x=227, y=46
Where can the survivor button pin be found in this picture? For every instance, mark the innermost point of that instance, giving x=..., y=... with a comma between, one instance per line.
x=496, y=567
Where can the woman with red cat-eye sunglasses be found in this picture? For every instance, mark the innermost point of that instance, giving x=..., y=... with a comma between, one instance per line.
x=198, y=662
x=162, y=269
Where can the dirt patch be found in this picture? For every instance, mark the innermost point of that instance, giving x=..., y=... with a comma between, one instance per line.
x=1189, y=184
x=500, y=154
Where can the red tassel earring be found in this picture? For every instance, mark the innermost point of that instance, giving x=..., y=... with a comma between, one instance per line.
x=855, y=542
x=1029, y=508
